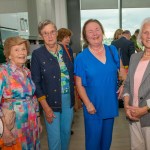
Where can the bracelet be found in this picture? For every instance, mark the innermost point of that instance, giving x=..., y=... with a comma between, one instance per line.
x=38, y=116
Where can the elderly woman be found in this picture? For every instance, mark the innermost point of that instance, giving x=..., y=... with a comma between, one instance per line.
x=64, y=36
x=96, y=79
x=137, y=92
x=17, y=93
x=52, y=73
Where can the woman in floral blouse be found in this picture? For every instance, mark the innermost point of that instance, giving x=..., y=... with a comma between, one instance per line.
x=17, y=93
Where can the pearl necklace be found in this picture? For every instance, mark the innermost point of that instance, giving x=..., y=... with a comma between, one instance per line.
x=100, y=52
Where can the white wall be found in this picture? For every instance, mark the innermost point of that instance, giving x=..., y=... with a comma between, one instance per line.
x=38, y=10
x=9, y=20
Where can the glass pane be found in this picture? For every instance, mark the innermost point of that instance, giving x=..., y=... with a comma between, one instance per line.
x=133, y=17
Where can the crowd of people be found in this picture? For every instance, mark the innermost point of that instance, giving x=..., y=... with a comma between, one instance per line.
x=53, y=77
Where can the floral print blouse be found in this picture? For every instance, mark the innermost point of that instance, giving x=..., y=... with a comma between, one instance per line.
x=65, y=87
x=14, y=85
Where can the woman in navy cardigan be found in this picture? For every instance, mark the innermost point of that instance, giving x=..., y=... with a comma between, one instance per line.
x=52, y=73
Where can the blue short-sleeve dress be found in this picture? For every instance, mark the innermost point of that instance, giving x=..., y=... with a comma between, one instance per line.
x=99, y=81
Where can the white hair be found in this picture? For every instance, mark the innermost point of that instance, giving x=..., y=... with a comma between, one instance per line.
x=146, y=20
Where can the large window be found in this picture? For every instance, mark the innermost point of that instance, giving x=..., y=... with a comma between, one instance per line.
x=133, y=17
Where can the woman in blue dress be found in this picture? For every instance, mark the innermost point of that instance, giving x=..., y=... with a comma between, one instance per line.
x=96, y=79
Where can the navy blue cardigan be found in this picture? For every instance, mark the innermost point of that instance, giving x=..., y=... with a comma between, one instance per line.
x=46, y=75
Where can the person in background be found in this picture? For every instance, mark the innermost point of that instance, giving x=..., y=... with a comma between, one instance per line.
x=64, y=36
x=137, y=92
x=134, y=40
x=125, y=47
x=17, y=93
x=117, y=34
x=52, y=73
x=96, y=80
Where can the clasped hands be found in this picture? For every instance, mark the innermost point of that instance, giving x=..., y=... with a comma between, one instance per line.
x=135, y=113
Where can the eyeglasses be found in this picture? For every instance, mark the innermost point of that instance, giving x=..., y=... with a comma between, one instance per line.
x=52, y=33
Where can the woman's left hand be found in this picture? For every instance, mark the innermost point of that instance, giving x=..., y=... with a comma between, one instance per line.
x=91, y=109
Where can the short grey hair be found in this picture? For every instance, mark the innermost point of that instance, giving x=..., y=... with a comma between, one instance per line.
x=126, y=32
x=44, y=23
x=146, y=20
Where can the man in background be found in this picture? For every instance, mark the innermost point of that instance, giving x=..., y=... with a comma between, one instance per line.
x=125, y=47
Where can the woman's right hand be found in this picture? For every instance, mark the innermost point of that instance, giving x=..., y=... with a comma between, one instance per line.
x=49, y=114
x=90, y=108
x=120, y=91
x=8, y=137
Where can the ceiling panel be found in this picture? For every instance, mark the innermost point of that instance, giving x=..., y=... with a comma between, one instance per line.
x=113, y=4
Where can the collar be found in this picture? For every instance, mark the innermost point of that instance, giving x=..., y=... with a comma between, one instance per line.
x=14, y=68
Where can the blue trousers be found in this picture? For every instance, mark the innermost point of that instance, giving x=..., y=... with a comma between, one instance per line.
x=59, y=131
x=98, y=133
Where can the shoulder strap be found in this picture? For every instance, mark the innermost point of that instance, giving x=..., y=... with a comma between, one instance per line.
x=66, y=49
x=111, y=53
